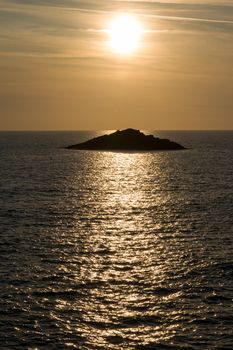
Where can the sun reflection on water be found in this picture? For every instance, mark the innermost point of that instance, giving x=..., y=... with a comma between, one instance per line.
x=116, y=250
x=118, y=261
x=126, y=254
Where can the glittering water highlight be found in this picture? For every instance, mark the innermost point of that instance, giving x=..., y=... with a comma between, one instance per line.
x=104, y=250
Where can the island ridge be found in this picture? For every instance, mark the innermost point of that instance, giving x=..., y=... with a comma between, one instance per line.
x=127, y=140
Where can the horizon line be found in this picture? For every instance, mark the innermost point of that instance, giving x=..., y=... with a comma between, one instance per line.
x=95, y=130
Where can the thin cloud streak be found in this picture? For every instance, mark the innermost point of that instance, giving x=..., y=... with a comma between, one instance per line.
x=189, y=19
x=173, y=18
x=95, y=11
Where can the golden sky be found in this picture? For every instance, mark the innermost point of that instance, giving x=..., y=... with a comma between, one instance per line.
x=58, y=70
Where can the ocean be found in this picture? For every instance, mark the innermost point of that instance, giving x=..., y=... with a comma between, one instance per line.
x=111, y=250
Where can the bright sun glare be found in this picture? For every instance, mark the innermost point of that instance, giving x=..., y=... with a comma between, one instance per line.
x=125, y=33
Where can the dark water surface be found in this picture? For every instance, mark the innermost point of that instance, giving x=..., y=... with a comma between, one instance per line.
x=103, y=250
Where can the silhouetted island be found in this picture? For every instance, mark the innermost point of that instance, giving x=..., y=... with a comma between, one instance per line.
x=127, y=140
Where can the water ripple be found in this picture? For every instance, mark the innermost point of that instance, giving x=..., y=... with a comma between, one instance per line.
x=104, y=250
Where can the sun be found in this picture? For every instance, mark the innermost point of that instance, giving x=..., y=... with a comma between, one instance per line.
x=125, y=33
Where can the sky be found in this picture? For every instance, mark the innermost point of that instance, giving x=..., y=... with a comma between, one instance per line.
x=59, y=72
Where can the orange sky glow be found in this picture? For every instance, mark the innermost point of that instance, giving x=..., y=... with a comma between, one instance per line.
x=85, y=65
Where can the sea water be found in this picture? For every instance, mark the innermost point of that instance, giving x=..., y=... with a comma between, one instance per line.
x=111, y=250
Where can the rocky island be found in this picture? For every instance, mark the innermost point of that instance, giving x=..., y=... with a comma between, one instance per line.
x=127, y=140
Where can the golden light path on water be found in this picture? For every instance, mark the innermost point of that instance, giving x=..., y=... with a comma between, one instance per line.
x=126, y=268
x=116, y=251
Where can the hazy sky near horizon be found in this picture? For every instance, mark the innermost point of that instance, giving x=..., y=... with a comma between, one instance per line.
x=58, y=72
